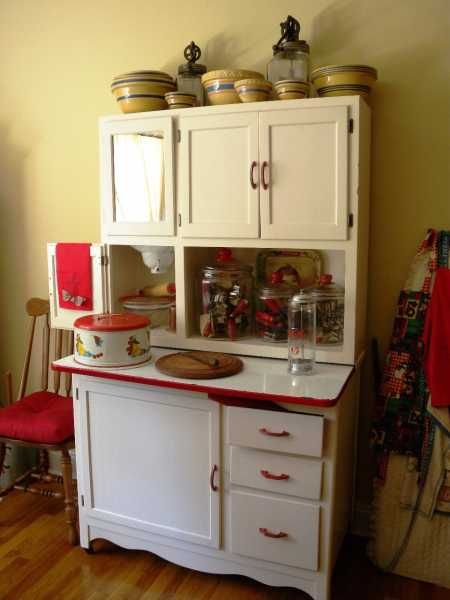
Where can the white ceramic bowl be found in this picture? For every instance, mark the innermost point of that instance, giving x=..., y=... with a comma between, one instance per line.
x=112, y=340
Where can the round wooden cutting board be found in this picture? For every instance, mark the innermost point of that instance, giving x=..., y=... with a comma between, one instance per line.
x=184, y=364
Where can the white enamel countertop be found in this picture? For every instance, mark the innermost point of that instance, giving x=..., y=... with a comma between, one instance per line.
x=260, y=379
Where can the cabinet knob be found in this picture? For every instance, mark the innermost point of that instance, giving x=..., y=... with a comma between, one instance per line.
x=266, y=431
x=265, y=183
x=252, y=175
x=266, y=533
x=269, y=475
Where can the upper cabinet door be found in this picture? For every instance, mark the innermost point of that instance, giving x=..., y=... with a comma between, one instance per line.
x=304, y=178
x=137, y=177
x=218, y=188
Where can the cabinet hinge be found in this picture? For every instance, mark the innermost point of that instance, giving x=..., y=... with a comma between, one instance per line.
x=350, y=220
x=77, y=397
x=82, y=500
x=179, y=219
x=350, y=125
x=178, y=135
x=104, y=261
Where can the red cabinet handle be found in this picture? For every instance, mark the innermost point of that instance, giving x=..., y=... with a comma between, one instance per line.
x=211, y=478
x=252, y=173
x=269, y=475
x=266, y=533
x=265, y=431
x=265, y=183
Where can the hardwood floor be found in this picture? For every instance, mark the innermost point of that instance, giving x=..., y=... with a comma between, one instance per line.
x=37, y=563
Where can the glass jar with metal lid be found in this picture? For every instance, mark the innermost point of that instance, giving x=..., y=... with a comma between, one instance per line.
x=290, y=55
x=302, y=333
x=189, y=77
x=271, y=315
x=329, y=298
x=226, y=302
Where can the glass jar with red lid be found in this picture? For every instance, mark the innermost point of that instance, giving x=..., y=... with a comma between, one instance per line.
x=271, y=314
x=226, y=298
x=329, y=299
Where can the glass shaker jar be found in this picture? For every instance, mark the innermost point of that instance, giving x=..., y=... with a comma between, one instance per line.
x=329, y=298
x=226, y=288
x=190, y=74
x=301, y=333
x=290, y=54
x=271, y=316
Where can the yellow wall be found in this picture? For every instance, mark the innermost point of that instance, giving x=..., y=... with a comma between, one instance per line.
x=57, y=59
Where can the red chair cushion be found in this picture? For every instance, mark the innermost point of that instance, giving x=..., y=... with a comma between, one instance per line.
x=42, y=417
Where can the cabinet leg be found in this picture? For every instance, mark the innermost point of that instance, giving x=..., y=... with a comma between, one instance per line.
x=89, y=549
x=66, y=469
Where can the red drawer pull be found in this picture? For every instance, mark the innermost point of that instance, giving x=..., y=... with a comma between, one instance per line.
x=211, y=478
x=269, y=475
x=265, y=532
x=274, y=433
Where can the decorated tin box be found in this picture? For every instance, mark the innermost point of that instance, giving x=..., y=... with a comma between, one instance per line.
x=112, y=340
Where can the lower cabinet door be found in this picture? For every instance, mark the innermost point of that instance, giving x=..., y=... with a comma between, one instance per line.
x=276, y=530
x=150, y=459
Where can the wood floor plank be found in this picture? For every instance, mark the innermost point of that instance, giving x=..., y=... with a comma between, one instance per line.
x=38, y=563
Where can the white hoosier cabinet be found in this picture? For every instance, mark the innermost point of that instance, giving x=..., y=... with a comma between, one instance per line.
x=253, y=473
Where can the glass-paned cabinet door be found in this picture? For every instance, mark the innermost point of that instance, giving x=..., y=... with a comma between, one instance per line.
x=137, y=177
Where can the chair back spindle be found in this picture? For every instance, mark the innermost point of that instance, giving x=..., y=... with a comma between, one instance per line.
x=45, y=352
x=58, y=355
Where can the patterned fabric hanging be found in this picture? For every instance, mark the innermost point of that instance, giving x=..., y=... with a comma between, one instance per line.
x=401, y=424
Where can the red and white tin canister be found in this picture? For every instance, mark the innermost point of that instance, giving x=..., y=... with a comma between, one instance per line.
x=112, y=340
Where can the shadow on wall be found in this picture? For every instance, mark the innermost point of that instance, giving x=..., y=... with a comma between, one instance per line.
x=223, y=50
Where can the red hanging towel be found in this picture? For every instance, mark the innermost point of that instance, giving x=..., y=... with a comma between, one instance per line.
x=437, y=340
x=74, y=276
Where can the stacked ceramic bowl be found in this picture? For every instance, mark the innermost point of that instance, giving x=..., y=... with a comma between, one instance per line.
x=219, y=85
x=140, y=91
x=180, y=99
x=253, y=90
x=344, y=80
x=291, y=89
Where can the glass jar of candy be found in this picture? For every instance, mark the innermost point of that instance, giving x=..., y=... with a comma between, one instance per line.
x=226, y=298
x=271, y=316
x=329, y=298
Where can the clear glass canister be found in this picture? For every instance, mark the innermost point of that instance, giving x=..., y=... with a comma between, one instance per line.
x=226, y=298
x=329, y=298
x=190, y=74
x=290, y=54
x=271, y=315
x=301, y=333
x=290, y=62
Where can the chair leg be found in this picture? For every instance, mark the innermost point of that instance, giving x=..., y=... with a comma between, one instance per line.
x=66, y=469
x=43, y=462
x=2, y=457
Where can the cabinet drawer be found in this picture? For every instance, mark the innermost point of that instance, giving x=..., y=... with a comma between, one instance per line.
x=276, y=472
x=281, y=531
x=277, y=431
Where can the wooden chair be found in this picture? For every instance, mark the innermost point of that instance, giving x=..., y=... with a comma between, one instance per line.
x=43, y=419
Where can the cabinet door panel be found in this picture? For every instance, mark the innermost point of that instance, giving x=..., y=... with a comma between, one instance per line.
x=150, y=459
x=306, y=152
x=217, y=197
x=137, y=177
